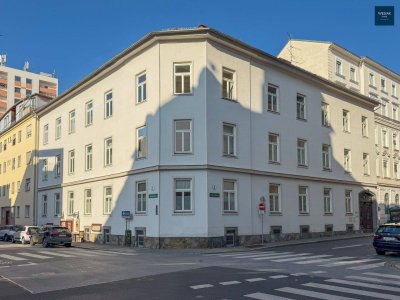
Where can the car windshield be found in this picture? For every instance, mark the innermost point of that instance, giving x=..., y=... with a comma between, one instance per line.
x=19, y=228
x=60, y=230
x=389, y=229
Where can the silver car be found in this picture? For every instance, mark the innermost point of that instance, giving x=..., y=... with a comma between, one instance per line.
x=24, y=233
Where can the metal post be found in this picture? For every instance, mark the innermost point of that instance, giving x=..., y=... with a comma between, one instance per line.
x=262, y=229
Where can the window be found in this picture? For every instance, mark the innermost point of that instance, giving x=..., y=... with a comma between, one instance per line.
x=339, y=67
x=19, y=136
x=108, y=152
x=183, y=136
x=395, y=141
x=18, y=79
x=70, y=203
x=27, y=184
x=327, y=200
x=28, y=93
x=18, y=186
x=107, y=200
x=71, y=162
x=28, y=131
x=301, y=152
x=273, y=98
x=182, y=78
x=386, y=201
x=57, y=205
x=58, y=128
x=108, y=105
x=29, y=157
x=383, y=84
x=385, y=138
x=396, y=170
x=27, y=211
x=57, y=166
x=274, y=198
x=385, y=168
x=44, y=205
x=45, y=170
x=45, y=134
x=347, y=160
x=377, y=166
x=141, y=197
x=72, y=121
x=141, y=142
x=28, y=81
x=364, y=126
x=348, y=202
x=17, y=213
x=303, y=199
x=141, y=88
x=396, y=201
x=229, y=138
x=89, y=113
x=301, y=107
x=88, y=157
x=346, y=121
x=395, y=113
x=371, y=79
x=183, y=195
x=273, y=147
x=325, y=114
x=384, y=109
x=230, y=196
x=13, y=188
x=394, y=91
x=366, y=169
x=353, y=74
x=228, y=84
x=88, y=202
x=17, y=90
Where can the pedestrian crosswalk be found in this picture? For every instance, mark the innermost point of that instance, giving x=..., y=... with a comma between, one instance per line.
x=322, y=260
x=27, y=254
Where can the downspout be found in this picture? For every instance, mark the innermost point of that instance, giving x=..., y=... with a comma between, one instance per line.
x=159, y=144
x=35, y=168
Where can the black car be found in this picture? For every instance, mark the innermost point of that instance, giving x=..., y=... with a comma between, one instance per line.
x=52, y=235
x=387, y=238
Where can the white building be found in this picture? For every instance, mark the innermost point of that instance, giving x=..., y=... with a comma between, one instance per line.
x=188, y=129
x=365, y=76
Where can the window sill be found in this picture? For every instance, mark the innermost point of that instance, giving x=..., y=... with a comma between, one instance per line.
x=326, y=125
x=229, y=156
x=301, y=119
x=346, y=131
x=186, y=213
x=230, y=213
x=367, y=175
x=353, y=81
x=365, y=136
x=372, y=86
x=87, y=215
x=273, y=112
x=183, y=94
x=349, y=214
x=275, y=214
x=302, y=166
x=340, y=75
x=384, y=92
x=304, y=214
x=328, y=214
x=141, y=214
x=347, y=172
x=88, y=125
x=107, y=117
x=141, y=102
x=182, y=153
x=230, y=100
x=274, y=162
x=327, y=169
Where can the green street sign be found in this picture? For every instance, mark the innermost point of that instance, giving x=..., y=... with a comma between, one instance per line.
x=214, y=195
x=153, y=196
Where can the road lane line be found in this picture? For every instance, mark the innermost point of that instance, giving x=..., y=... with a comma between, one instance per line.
x=351, y=291
x=12, y=257
x=263, y=296
x=229, y=282
x=78, y=253
x=262, y=255
x=300, y=258
x=314, y=261
x=318, y=272
x=281, y=256
x=33, y=255
x=351, y=246
x=241, y=253
x=364, y=284
x=382, y=275
x=298, y=274
x=375, y=280
x=351, y=262
x=115, y=252
x=57, y=254
x=312, y=294
x=201, y=286
x=366, y=267
x=255, y=279
x=278, y=276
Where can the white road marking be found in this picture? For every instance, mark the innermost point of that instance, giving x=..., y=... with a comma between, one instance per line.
x=57, y=254
x=242, y=253
x=263, y=296
x=115, y=252
x=315, y=261
x=201, y=286
x=33, y=255
x=364, y=284
x=351, y=291
x=229, y=282
x=281, y=256
x=261, y=254
x=27, y=265
x=318, y=272
x=366, y=267
x=278, y=276
x=312, y=294
x=382, y=275
x=300, y=258
x=350, y=246
x=351, y=262
x=79, y=253
x=255, y=279
x=298, y=274
x=12, y=257
x=375, y=280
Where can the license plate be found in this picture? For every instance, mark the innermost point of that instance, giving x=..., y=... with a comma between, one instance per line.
x=385, y=238
x=62, y=235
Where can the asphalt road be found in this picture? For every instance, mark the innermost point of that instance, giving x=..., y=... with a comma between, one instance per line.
x=346, y=269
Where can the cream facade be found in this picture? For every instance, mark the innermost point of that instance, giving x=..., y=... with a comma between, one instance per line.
x=187, y=130
x=365, y=76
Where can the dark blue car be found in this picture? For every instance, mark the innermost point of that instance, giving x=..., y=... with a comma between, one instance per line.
x=387, y=238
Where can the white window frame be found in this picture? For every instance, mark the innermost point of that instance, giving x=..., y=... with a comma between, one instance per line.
x=275, y=199
x=57, y=166
x=70, y=203
x=395, y=112
x=108, y=105
x=229, y=197
x=327, y=157
x=272, y=98
x=229, y=91
x=301, y=107
x=29, y=131
x=141, y=88
x=27, y=211
x=182, y=135
x=89, y=113
x=385, y=138
x=229, y=140
x=396, y=174
x=364, y=126
x=44, y=205
x=141, y=142
x=71, y=162
x=354, y=76
x=141, y=198
x=72, y=122
x=87, y=202
x=88, y=157
x=182, y=75
x=45, y=169
x=383, y=84
x=108, y=152
x=325, y=114
x=45, y=134
x=347, y=160
x=182, y=191
x=327, y=201
x=348, y=201
x=107, y=200
x=58, y=128
x=366, y=164
x=57, y=204
x=303, y=199
x=385, y=168
x=346, y=120
x=371, y=79
x=302, y=159
x=273, y=148
x=394, y=90
x=339, y=67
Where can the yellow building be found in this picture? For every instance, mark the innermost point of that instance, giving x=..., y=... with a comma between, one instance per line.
x=18, y=152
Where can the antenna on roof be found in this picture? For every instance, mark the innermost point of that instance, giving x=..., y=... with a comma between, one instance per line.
x=54, y=73
x=26, y=65
x=290, y=47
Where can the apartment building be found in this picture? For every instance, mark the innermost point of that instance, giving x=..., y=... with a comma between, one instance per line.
x=16, y=85
x=18, y=147
x=366, y=76
x=186, y=131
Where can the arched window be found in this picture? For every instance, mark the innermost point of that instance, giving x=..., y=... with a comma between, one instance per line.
x=396, y=200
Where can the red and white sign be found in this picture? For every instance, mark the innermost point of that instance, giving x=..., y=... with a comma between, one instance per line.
x=261, y=207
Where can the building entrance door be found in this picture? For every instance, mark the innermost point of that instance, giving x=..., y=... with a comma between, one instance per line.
x=8, y=217
x=366, y=211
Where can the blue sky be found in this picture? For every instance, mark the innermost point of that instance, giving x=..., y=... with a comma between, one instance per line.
x=75, y=37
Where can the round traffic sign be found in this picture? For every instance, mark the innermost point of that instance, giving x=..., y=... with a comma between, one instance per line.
x=261, y=206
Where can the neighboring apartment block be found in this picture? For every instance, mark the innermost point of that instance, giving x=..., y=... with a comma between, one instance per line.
x=365, y=76
x=18, y=145
x=16, y=85
x=188, y=130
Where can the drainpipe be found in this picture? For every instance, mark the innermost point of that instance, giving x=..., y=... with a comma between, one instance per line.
x=35, y=168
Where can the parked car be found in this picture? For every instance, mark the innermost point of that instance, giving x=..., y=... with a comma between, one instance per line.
x=5, y=231
x=24, y=233
x=51, y=235
x=387, y=238
x=12, y=231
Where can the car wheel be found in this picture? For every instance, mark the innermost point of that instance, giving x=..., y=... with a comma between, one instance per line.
x=23, y=241
x=45, y=244
x=5, y=238
x=12, y=240
x=380, y=252
x=67, y=245
x=31, y=242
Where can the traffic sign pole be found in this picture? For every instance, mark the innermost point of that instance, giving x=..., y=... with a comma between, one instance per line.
x=261, y=210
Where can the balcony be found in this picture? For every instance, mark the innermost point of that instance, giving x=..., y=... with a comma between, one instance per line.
x=3, y=81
